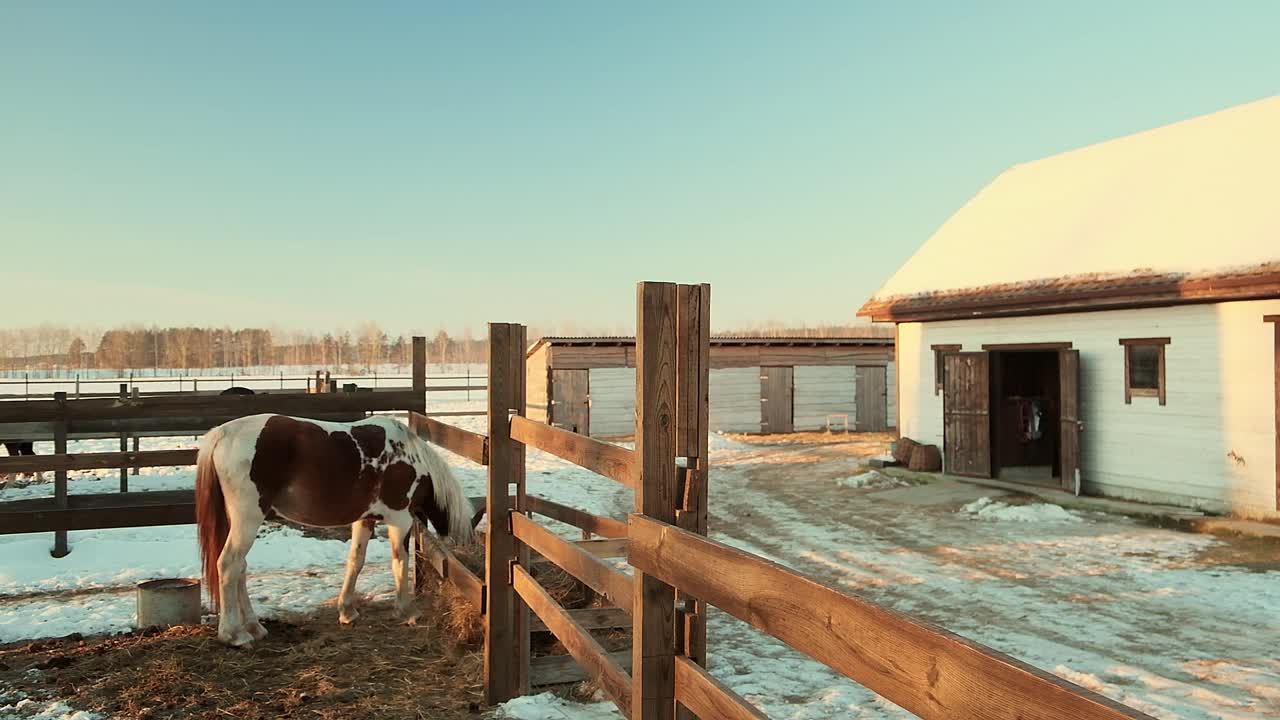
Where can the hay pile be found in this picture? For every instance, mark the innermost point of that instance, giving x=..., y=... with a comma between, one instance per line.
x=310, y=666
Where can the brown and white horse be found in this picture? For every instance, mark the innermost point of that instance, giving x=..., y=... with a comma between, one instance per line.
x=323, y=474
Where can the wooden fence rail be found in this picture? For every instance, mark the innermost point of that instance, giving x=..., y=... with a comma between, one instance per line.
x=612, y=584
x=96, y=461
x=470, y=445
x=926, y=670
x=614, y=462
x=595, y=524
x=295, y=403
x=590, y=655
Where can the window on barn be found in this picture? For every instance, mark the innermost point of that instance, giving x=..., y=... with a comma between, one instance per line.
x=1144, y=368
x=938, y=352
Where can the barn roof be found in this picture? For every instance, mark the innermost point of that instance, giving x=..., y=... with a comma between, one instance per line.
x=1184, y=212
x=721, y=341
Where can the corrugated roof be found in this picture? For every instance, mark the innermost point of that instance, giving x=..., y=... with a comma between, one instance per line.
x=1192, y=199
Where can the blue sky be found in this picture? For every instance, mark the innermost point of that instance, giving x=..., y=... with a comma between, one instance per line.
x=433, y=165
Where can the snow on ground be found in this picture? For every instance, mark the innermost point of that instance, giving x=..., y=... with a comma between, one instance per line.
x=871, y=479
x=987, y=509
x=28, y=709
x=1133, y=612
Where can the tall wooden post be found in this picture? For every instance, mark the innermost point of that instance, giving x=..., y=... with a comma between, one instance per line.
x=653, y=624
x=60, y=548
x=693, y=372
x=506, y=657
x=124, y=443
x=137, y=442
x=420, y=371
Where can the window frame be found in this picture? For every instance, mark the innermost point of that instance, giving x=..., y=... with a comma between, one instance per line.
x=938, y=352
x=1161, y=389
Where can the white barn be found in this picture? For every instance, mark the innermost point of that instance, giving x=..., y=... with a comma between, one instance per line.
x=1106, y=320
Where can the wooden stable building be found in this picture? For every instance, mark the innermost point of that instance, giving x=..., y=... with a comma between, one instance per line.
x=1105, y=320
x=758, y=384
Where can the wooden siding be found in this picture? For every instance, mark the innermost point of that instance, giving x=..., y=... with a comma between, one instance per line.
x=1220, y=406
x=822, y=390
x=735, y=400
x=537, y=391
x=613, y=401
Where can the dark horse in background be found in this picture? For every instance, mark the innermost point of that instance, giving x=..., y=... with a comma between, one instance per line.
x=16, y=448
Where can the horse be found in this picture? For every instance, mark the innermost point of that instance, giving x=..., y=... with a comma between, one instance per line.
x=320, y=474
x=16, y=448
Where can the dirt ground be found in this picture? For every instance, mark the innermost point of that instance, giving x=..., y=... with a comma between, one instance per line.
x=308, y=667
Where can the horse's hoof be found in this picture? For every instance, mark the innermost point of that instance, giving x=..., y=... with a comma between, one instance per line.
x=412, y=620
x=346, y=617
x=238, y=639
x=257, y=631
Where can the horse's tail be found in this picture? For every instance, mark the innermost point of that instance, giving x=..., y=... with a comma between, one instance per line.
x=212, y=523
x=449, y=497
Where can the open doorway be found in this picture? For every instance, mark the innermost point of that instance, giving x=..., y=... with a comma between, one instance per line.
x=1026, y=415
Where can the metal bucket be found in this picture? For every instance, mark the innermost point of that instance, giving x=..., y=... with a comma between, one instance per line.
x=167, y=602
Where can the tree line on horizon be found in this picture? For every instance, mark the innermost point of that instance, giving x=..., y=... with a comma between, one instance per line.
x=55, y=347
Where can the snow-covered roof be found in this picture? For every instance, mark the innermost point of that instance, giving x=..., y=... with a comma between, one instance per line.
x=1198, y=198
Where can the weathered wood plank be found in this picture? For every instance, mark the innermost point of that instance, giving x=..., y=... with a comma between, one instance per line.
x=693, y=397
x=95, y=461
x=614, y=462
x=592, y=619
x=470, y=445
x=452, y=571
x=596, y=524
x=590, y=655
x=653, y=632
x=612, y=584
x=923, y=669
x=296, y=403
x=560, y=669
x=99, y=511
x=707, y=697
x=501, y=651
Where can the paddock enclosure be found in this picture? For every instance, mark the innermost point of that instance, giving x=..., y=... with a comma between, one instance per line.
x=762, y=385
x=676, y=571
x=655, y=573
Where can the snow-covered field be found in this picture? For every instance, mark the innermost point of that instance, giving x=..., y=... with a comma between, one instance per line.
x=1146, y=616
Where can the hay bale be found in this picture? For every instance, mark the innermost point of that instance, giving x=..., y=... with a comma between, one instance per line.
x=926, y=458
x=903, y=449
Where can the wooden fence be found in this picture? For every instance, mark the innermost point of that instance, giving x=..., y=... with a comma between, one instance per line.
x=677, y=570
x=130, y=415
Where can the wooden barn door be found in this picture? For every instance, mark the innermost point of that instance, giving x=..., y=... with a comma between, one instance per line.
x=776, y=399
x=871, y=398
x=966, y=413
x=570, y=390
x=1070, y=423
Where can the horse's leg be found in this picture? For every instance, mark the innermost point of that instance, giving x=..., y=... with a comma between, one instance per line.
x=244, y=521
x=399, y=532
x=247, y=616
x=361, y=531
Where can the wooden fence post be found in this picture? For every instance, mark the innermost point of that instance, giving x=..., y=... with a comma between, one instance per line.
x=124, y=443
x=693, y=372
x=60, y=548
x=420, y=369
x=505, y=667
x=653, y=623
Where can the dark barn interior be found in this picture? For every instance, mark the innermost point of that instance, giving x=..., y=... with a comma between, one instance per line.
x=1024, y=387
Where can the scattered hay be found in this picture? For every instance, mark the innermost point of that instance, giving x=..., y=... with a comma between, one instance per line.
x=309, y=666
